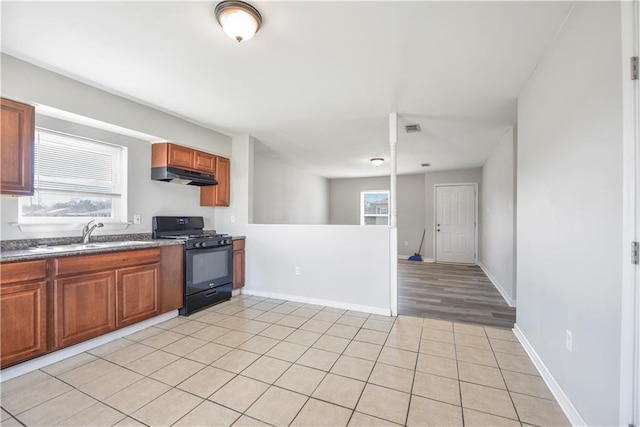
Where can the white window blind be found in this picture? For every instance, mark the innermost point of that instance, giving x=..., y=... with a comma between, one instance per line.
x=73, y=165
x=75, y=178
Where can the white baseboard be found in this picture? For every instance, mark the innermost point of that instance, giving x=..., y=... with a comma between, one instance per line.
x=563, y=400
x=510, y=301
x=56, y=356
x=317, y=301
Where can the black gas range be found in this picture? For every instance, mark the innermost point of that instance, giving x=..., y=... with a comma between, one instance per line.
x=208, y=264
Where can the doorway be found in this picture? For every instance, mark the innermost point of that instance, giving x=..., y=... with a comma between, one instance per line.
x=456, y=223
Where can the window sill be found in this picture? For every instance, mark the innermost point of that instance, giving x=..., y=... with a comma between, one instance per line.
x=29, y=227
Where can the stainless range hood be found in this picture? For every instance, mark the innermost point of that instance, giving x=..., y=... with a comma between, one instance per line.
x=182, y=176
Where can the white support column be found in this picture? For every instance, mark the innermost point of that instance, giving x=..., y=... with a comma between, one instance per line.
x=393, y=216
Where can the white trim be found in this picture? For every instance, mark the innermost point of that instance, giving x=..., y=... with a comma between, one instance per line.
x=69, y=226
x=318, y=301
x=510, y=301
x=393, y=270
x=56, y=356
x=563, y=400
x=629, y=413
x=435, y=217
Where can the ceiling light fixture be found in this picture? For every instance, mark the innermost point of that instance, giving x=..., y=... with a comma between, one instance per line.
x=376, y=161
x=238, y=19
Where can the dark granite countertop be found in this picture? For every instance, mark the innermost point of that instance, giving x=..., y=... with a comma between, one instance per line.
x=34, y=249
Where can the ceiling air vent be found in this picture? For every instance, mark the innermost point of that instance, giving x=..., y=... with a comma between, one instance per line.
x=412, y=128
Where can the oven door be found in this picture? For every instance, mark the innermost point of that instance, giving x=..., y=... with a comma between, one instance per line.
x=207, y=268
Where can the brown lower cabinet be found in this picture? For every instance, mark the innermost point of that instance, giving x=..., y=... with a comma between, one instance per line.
x=95, y=294
x=50, y=304
x=238, y=263
x=23, y=306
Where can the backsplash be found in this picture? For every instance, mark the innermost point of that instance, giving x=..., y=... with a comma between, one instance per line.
x=13, y=245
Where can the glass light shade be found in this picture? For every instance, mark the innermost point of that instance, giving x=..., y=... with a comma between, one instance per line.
x=377, y=161
x=238, y=19
x=238, y=24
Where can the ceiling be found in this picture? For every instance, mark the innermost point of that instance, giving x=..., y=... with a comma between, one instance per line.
x=317, y=83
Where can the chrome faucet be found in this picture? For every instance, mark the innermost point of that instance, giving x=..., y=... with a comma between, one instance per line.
x=88, y=228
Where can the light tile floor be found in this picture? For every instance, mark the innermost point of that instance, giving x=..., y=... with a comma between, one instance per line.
x=255, y=361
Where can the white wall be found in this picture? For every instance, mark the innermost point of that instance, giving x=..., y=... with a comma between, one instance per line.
x=342, y=266
x=285, y=194
x=570, y=209
x=28, y=83
x=497, y=205
x=444, y=177
x=344, y=196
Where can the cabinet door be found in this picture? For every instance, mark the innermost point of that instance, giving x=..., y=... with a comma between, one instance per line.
x=137, y=297
x=23, y=330
x=181, y=156
x=16, y=148
x=238, y=264
x=84, y=307
x=218, y=195
x=223, y=169
x=205, y=162
x=171, y=278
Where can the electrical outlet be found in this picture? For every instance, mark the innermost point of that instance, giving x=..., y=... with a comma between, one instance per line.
x=137, y=219
x=298, y=272
x=569, y=340
x=232, y=219
x=406, y=243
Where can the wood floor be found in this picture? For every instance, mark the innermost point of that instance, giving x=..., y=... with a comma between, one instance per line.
x=459, y=293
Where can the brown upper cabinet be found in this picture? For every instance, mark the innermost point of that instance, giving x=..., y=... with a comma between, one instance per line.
x=168, y=154
x=218, y=195
x=16, y=148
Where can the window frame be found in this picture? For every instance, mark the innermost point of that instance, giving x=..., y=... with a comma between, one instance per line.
x=119, y=198
x=363, y=215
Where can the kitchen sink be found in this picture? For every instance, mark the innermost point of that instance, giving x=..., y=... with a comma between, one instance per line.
x=86, y=246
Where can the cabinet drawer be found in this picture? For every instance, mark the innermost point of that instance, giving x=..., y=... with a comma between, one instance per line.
x=23, y=271
x=104, y=261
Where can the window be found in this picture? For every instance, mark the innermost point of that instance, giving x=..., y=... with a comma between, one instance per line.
x=76, y=179
x=374, y=208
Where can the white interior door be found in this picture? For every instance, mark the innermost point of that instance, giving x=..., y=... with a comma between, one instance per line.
x=456, y=223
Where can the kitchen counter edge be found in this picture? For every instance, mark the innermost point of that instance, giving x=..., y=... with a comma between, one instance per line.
x=27, y=255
